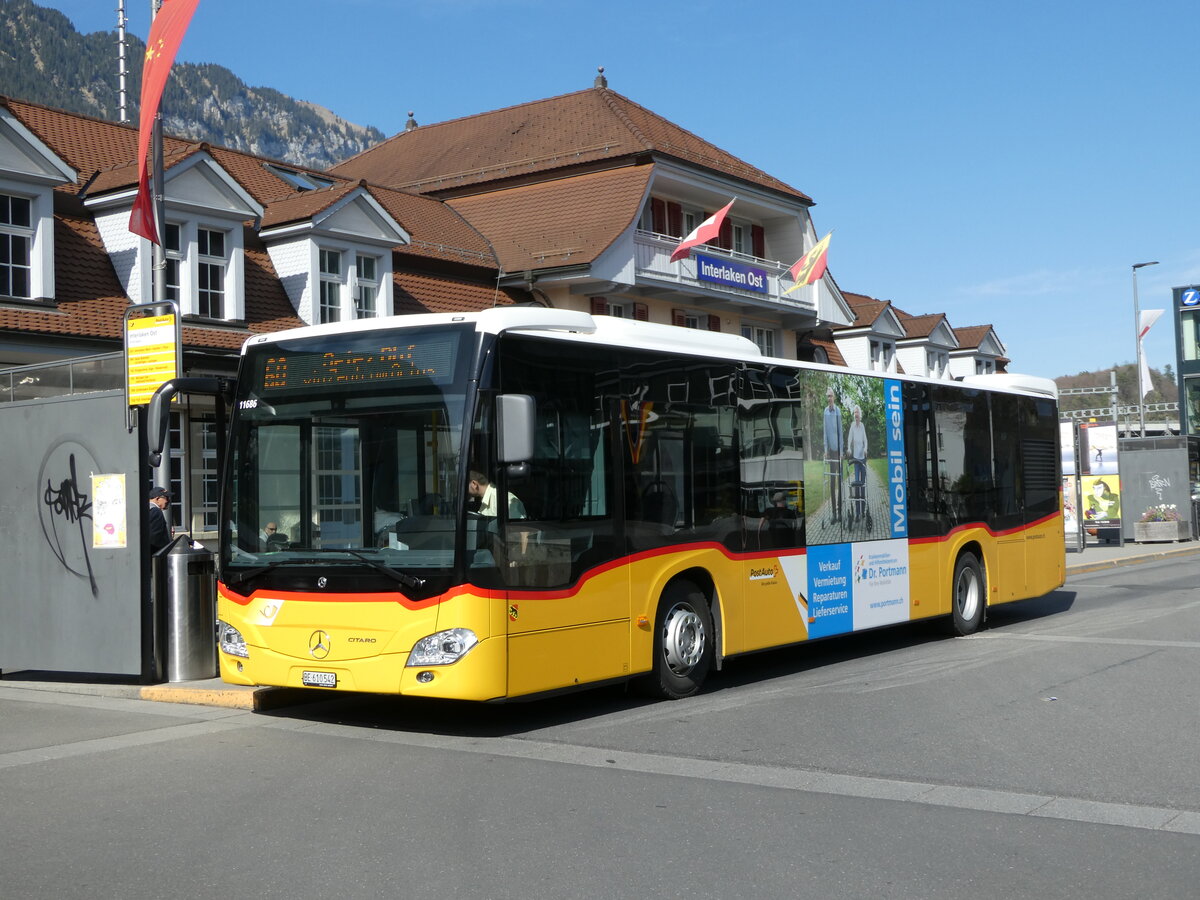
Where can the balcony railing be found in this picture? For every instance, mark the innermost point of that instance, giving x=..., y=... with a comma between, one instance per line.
x=653, y=260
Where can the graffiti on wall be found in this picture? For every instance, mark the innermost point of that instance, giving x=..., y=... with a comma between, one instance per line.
x=65, y=510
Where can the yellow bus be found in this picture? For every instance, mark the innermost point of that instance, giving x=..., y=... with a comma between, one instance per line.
x=526, y=500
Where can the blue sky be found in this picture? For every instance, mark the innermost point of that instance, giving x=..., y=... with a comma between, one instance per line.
x=1004, y=163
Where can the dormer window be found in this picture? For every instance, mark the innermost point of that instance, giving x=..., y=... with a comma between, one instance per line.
x=881, y=355
x=203, y=289
x=366, y=286
x=330, y=304
x=212, y=263
x=16, y=247
x=173, y=252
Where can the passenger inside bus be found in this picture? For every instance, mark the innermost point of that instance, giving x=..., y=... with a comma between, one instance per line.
x=483, y=499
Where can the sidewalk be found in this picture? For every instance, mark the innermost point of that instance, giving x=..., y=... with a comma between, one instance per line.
x=1106, y=556
x=214, y=692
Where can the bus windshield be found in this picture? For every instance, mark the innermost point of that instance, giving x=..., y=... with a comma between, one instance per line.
x=346, y=448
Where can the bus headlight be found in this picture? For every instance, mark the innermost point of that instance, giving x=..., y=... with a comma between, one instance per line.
x=443, y=648
x=231, y=640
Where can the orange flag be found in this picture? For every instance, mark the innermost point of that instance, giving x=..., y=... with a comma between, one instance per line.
x=811, y=266
x=166, y=34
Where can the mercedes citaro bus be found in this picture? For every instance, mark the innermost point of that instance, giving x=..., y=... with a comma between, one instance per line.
x=526, y=500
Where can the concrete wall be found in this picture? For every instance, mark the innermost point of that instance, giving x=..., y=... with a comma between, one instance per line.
x=66, y=604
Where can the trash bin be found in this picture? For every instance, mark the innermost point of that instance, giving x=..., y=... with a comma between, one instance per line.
x=190, y=606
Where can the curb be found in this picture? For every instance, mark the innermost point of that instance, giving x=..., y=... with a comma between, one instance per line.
x=1083, y=568
x=226, y=696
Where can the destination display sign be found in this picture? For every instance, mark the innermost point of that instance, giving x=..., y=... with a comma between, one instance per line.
x=431, y=359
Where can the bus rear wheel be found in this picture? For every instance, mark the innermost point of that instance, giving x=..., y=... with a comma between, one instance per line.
x=968, y=596
x=683, y=643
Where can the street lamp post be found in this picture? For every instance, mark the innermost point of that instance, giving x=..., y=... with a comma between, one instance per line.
x=1137, y=334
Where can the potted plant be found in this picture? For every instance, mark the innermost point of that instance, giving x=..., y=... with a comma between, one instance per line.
x=1160, y=523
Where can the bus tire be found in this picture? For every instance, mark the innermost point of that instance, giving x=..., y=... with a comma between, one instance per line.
x=683, y=643
x=968, y=596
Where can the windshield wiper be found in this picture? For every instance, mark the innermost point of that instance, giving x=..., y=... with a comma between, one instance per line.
x=409, y=581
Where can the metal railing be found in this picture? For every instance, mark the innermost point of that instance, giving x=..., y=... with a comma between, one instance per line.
x=83, y=375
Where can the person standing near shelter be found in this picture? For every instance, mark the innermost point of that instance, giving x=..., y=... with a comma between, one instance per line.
x=834, y=450
x=160, y=531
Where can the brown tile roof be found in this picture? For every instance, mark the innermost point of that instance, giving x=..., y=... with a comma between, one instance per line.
x=867, y=310
x=555, y=223
x=920, y=326
x=423, y=292
x=971, y=336
x=831, y=351
x=595, y=126
x=302, y=205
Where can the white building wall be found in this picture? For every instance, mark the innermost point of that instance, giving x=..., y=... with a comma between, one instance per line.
x=129, y=254
x=912, y=359
x=293, y=264
x=856, y=351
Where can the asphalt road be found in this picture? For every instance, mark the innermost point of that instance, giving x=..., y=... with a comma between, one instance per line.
x=1055, y=755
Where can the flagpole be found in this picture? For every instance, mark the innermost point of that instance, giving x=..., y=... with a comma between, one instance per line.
x=1137, y=333
x=156, y=192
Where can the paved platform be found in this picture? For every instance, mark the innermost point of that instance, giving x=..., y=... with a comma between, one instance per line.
x=214, y=692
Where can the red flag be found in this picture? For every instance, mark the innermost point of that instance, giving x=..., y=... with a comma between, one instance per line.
x=166, y=34
x=705, y=232
x=811, y=266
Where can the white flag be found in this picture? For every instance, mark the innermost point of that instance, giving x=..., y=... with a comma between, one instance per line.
x=1147, y=319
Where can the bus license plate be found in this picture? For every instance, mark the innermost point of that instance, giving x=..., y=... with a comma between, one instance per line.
x=319, y=679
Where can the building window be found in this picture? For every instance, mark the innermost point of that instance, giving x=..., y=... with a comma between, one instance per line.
x=740, y=244
x=936, y=363
x=764, y=338
x=985, y=367
x=881, y=356
x=331, y=286
x=173, y=253
x=301, y=181
x=16, y=244
x=366, y=286
x=210, y=297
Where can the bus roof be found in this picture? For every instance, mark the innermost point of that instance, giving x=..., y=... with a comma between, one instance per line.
x=610, y=331
x=605, y=330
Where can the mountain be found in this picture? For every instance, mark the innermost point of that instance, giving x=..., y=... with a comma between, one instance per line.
x=43, y=59
x=1165, y=389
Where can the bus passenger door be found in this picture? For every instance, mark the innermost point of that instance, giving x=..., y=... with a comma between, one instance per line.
x=771, y=453
x=1006, y=517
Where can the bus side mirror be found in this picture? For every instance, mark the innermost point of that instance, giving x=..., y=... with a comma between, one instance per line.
x=158, y=416
x=514, y=425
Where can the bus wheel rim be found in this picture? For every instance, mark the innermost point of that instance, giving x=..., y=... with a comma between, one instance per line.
x=968, y=594
x=683, y=639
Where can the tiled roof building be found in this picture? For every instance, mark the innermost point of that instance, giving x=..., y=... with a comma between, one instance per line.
x=575, y=202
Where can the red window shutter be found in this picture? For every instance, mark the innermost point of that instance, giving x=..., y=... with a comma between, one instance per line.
x=758, y=240
x=725, y=239
x=678, y=317
x=714, y=323
x=641, y=312
x=658, y=215
x=599, y=306
x=674, y=219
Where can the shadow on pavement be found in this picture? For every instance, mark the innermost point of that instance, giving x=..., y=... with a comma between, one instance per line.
x=520, y=717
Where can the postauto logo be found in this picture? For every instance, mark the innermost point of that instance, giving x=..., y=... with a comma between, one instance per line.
x=764, y=573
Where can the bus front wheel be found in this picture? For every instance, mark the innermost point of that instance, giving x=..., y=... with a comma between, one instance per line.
x=968, y=596
x=683, y=643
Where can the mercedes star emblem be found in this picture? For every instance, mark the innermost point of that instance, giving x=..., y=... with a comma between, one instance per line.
x=318, y=644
